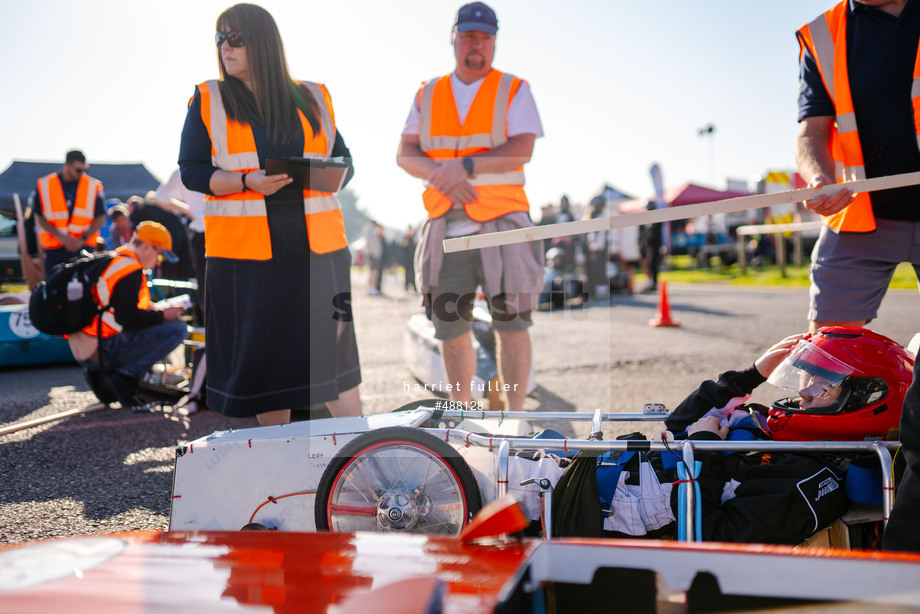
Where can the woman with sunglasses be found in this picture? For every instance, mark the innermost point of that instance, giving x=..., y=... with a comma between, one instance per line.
x=279, y=328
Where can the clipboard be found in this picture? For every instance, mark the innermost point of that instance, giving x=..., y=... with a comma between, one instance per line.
x=320, y=174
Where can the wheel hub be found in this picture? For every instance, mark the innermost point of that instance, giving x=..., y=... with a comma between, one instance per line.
x=396, y=511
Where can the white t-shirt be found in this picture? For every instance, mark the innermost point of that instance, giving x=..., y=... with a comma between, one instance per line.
x=522, y=112
x=174, y=188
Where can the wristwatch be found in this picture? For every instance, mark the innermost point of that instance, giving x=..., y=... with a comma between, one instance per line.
x=468, y=165
x=245, y=189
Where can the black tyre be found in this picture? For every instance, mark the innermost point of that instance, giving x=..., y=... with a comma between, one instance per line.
x=397, y=479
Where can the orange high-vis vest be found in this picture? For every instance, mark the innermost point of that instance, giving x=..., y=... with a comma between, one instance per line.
x=124, y=263
x=236, y=225
x=825, y=38
x=443, y=137
x=54, y=209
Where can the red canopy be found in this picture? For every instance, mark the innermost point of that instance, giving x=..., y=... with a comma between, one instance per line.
x=686, y=194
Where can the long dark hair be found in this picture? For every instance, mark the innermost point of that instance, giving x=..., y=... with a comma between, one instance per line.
x=275, y=98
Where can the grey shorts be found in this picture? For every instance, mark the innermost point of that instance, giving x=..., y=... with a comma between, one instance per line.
x=850, y=272
x=450, y=308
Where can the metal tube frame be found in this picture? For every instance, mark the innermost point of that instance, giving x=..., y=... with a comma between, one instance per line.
x=690, y=512
x=533, y=416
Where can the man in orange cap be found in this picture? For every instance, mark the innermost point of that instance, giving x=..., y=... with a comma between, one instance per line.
x=133, y=333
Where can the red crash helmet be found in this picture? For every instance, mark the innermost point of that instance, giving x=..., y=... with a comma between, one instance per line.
x=850, y=384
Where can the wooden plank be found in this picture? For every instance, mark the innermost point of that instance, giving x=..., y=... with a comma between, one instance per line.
x=729, y=205
x=12, y=428
x=32, y=272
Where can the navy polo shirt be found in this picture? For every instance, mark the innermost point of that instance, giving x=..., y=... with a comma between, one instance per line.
x=881, y=52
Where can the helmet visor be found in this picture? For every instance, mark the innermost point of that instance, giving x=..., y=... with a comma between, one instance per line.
x=813, y=374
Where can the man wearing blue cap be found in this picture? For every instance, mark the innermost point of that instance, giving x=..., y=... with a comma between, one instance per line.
x=133, y=333
x=469, y=135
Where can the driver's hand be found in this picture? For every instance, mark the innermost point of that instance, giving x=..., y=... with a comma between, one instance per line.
x=709, y=424
x=771, y=359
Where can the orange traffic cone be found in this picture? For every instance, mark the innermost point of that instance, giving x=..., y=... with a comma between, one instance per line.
x=664, y=309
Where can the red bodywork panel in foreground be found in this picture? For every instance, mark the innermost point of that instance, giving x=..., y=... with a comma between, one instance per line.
x=234, y=571
x=282, y=572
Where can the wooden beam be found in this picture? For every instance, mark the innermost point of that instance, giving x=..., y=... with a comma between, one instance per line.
x=729, y=205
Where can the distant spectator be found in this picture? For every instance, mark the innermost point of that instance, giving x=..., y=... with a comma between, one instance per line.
x=547, y=215
x=407, y=258
x=375, y=244
x=122, y=228
x=598, y=247
x=69, y=210
x=650, y=241
x=565, y=244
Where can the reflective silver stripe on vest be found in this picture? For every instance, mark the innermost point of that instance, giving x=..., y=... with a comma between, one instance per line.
x=108, y=318
x=318, y=204
x=509, y=178
x=824, y=49
x=500, y=114
x=256, y=208
x=424, y=132
x=325, y=116
x=222, y=157
x=457, y=143
x=235, y=208
x=846, y=122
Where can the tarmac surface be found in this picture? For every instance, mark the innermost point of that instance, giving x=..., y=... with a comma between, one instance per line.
x=112, y=470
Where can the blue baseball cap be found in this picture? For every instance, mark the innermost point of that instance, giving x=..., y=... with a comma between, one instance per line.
x=476, y=16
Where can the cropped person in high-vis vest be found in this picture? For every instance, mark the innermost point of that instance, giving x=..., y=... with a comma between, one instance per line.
x=69, y=211
x=133, y=333
x=859, y=114
x=469, y=135
x=278, y=322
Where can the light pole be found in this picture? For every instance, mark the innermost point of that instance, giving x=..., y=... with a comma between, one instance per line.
x=710, y=130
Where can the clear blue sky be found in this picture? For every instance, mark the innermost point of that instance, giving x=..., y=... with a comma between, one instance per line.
x=619, y=85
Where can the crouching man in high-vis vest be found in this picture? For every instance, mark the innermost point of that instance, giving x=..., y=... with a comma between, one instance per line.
x=859, y=112
x=468, y=136
x=134, y=334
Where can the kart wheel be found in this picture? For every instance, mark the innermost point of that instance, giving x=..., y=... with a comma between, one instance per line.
x=397, y=479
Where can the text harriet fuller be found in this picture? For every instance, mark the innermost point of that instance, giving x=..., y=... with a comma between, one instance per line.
x=490, y=386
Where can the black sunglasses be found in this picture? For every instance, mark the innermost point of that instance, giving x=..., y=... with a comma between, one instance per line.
x=234, y=39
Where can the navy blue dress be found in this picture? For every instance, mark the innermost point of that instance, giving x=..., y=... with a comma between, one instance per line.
x=272, y=326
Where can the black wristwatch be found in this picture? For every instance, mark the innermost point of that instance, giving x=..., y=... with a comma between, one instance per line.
x=468, y=165
x=245, y=189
